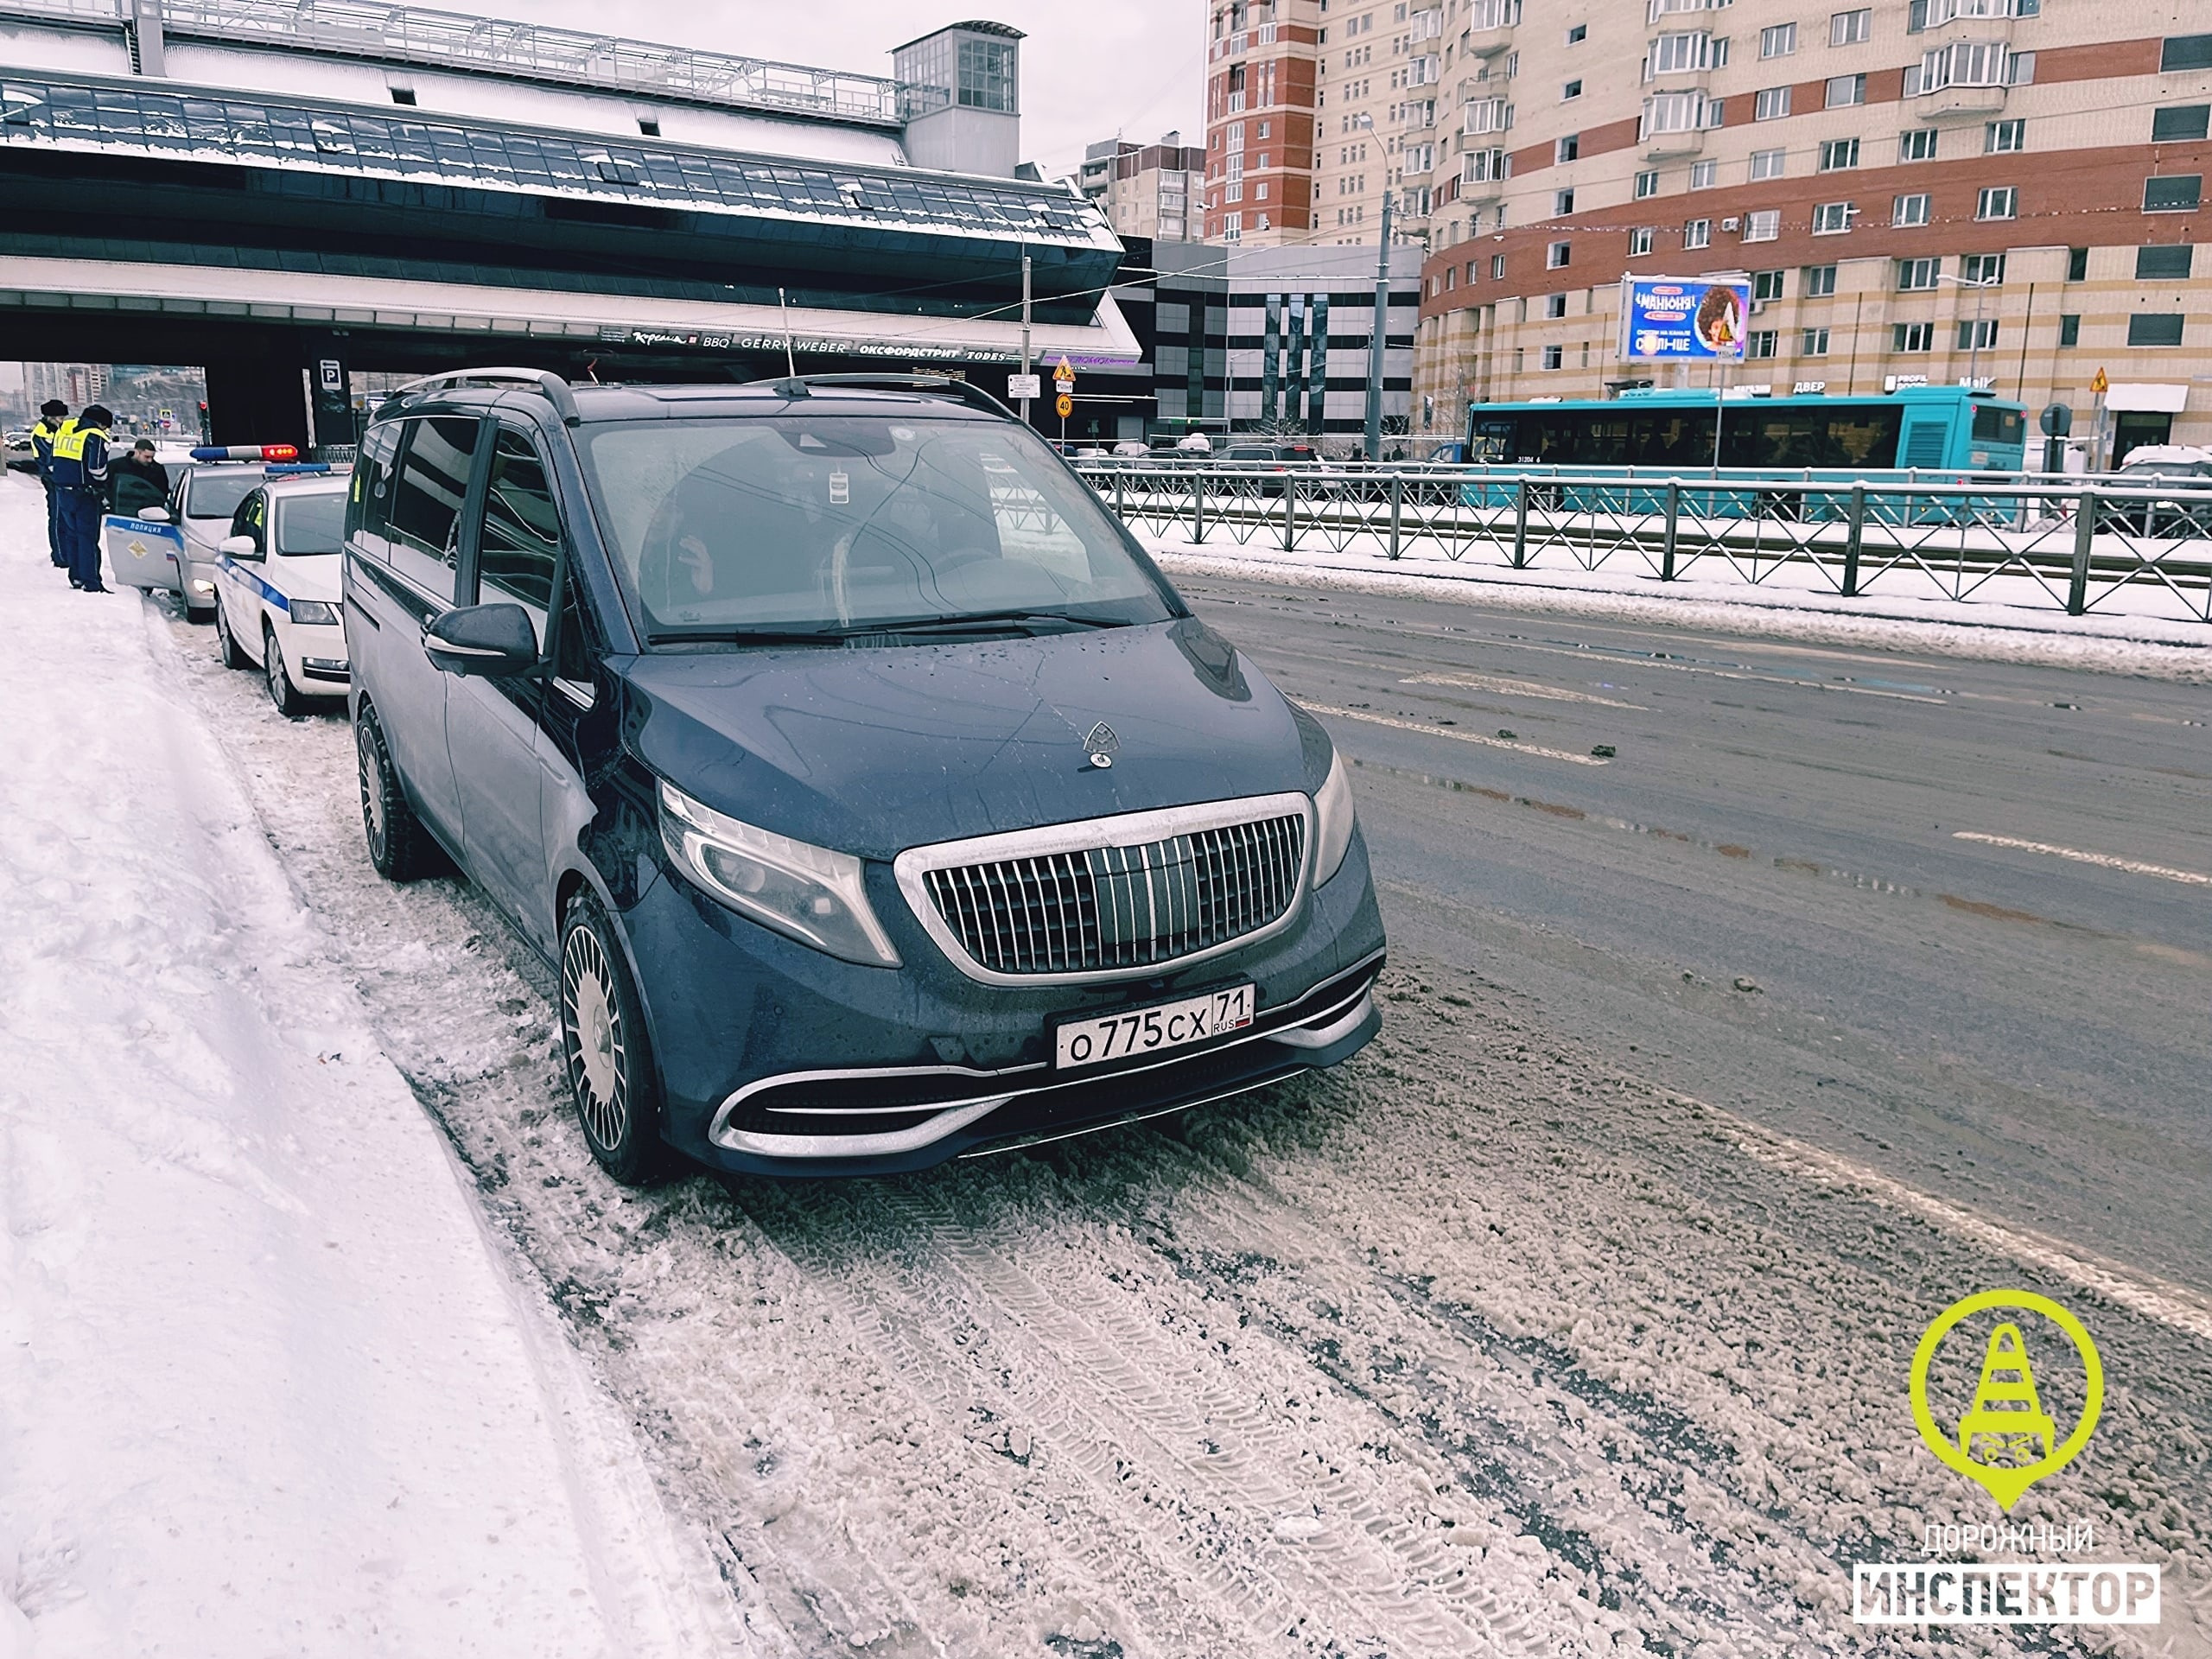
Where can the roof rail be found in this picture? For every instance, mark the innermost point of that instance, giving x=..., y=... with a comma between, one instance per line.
x=966, y=392
x=555, y=388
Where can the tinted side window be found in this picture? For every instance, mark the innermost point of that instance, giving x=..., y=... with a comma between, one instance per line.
x=572, y=645
x=426, y=501
x=519, y=550
x=369, y=502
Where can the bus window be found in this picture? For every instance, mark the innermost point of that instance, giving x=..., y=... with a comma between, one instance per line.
x=1993, y=423
x=1490, y=440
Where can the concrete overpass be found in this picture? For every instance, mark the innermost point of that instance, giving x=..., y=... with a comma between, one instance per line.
x=430, y=190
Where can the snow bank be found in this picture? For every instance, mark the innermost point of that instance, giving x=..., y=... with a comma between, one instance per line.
x=1986, y=628
x=264, y=1386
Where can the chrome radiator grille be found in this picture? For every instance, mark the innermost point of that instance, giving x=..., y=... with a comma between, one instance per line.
x=1103, y=908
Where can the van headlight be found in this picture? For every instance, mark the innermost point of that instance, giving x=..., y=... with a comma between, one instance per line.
x=810, y=892
x=1332, y=821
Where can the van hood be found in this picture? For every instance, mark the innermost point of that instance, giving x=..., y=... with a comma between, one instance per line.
x=874, y=751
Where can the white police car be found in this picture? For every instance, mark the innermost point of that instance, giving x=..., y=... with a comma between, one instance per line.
x=173, y=548
x=279, y=581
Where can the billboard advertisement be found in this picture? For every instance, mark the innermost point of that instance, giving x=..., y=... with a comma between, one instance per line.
x=1686, y=319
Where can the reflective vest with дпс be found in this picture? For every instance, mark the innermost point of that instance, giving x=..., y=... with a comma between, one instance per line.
x=80, y=457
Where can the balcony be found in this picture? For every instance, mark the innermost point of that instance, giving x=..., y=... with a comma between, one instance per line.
x=1959, y=104
x=1672, y=146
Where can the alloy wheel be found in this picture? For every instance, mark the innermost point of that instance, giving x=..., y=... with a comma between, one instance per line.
x=591, y=1035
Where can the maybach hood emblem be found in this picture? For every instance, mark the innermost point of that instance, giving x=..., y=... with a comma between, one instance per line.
x=1102, y=744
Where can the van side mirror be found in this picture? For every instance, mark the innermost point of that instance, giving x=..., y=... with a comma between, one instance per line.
x=237, y=547
x=491, y=642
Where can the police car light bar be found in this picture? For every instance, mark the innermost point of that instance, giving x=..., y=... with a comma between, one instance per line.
x=248, y=452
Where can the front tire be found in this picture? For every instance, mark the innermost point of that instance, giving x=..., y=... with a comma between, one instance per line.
x=201, y=615
x=398, y=845
x=226, y=643
x=603, y=1048
x=282, y=692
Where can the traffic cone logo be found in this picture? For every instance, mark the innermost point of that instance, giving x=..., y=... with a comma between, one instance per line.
x=2005, y=1441
x=2006, y=1427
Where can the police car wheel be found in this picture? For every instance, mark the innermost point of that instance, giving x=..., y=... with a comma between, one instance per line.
x=398, y=845
x=282, y=692
x=226, y=643
x=603, y=1049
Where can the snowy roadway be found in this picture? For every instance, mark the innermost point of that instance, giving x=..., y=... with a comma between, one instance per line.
x=1496, y=1341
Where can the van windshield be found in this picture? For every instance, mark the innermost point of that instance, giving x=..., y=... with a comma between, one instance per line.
x=838, y=525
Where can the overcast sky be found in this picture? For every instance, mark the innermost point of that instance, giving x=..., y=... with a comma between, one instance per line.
x=1088, y=72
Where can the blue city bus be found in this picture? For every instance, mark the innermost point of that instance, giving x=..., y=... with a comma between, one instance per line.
x=1925, y=434
x=1923, y=428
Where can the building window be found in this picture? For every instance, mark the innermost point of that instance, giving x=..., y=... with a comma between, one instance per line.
x=648, y=127
x=1639, y=241
x=1674, y=54
x=1647, y=184
x=1554, y=305
x=1916, y=274
x=1569, y=92
x=1765, y=225
x=1766, y=285
x=2077, y=264
x=1998, y=201
x=1912, y=336
x=1698, y=234
x=1771, y=104
x=1578, y=34
x=1562, y=203
x=1554, y=356
x=2003, y=137
x=1568, y=148
x=2181, y=124
x=1813, y=343
x=1762, y=342
x=1909, y=210
x=1917, y=146
x=1983, y=269
x=1820, y=282
x=2155, y=330
x=2070, y=329
x=1844, y=90
x=2176, y=193
x=2160, y=264
x=1851, y=28
x=1679, y=112
x=1555, y=257
x=1496, y=267
x=1978, y=334
x=403, y=95
x=1778, y=42
x=1837, y=154
x=1768, y=163
x=2184, y=52
x=1260, y=191
x=1704, y=174
x=1832, y=217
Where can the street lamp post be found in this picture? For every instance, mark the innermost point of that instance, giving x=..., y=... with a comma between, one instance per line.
x=1981, y=285
x=1374, y=341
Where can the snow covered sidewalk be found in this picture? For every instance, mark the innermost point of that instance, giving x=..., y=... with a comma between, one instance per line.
x=265, y=1385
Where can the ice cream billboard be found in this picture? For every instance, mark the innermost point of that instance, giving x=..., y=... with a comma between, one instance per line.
x=1693, y=318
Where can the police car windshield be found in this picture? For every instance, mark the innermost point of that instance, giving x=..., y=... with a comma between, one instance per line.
x=835, y=525
x=216, y=492
x=311, y=524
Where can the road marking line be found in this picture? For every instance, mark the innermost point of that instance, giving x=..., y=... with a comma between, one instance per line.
x=2105, y=860
x=1463, y=737
x=2169, y=1304
x=1519, y=688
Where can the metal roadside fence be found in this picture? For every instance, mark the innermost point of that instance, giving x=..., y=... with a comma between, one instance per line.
x=2080, y=545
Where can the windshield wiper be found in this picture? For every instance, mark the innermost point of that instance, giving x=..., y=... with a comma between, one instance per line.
x=750, y=637
x=987, y=619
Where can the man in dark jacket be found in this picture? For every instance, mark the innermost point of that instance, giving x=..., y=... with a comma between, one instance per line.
x=139, y=481
x=53, y=421
x=81, y=484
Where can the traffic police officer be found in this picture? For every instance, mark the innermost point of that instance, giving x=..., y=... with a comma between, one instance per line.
x=53, y=421
x=80, y=483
